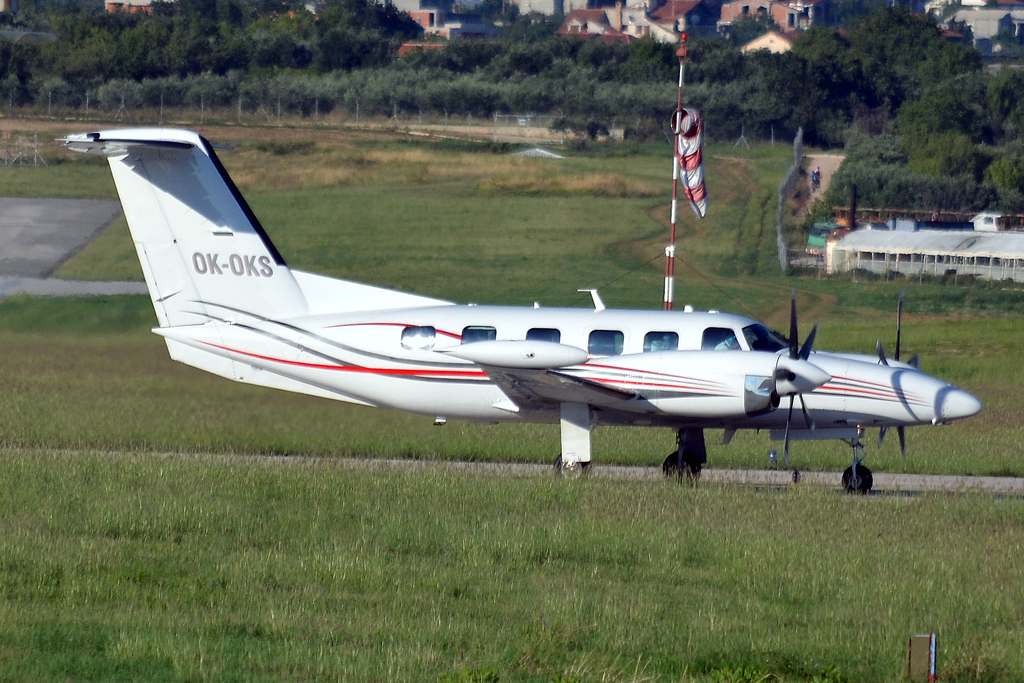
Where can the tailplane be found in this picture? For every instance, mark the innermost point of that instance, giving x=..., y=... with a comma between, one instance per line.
x=204, y=254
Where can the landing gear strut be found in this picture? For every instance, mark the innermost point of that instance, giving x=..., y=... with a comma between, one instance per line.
x=857, y=478
x=575, y=420
x=689, y=457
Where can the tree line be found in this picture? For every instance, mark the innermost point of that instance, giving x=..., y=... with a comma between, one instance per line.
x=922, y=120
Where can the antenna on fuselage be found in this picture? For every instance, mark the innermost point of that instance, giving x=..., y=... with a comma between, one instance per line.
x=598, y=304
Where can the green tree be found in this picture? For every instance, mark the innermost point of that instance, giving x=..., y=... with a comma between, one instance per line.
x=755, y=25
x=650, y=61
x=1005, y=175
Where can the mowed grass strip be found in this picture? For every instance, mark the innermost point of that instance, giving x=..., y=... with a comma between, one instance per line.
x=116, y=567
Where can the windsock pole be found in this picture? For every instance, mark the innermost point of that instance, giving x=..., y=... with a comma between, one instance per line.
x=670, y=250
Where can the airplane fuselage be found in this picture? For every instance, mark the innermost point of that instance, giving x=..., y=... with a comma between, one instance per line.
x=667, y=361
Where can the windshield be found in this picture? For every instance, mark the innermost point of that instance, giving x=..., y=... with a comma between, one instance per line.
x=760, y=338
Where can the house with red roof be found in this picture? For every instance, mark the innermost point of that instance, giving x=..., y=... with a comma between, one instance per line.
x=693, y=17
x=798, y=15
x=666, y=23
x=591, y=23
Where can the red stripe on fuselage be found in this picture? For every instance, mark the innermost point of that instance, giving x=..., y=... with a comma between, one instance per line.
x=399, y=372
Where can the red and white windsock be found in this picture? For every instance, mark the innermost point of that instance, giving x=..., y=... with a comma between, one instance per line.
x=689, y=132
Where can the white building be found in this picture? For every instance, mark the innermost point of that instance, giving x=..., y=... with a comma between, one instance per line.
x=985, y=255
x=987, y=23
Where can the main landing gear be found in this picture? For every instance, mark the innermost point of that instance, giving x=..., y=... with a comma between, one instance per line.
x=571, y=468
x=689, y=457
x=857, y=478
x=575, y=421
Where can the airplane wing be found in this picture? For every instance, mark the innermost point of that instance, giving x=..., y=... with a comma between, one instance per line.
x=535, y=389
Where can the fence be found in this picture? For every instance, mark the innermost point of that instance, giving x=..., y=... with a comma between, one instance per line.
x=21, y=152
x=787, y=187
x=526, y=128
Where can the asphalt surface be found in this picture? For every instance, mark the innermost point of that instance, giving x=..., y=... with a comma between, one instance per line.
x=37, y=235
x=885, y=483
x=52, y=287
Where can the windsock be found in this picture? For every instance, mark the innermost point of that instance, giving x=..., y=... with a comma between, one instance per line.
x=690, y=157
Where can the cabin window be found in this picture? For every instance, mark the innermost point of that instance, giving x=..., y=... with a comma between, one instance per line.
x=418, y=338
x=475, y=333
x=719, y=339
x=661, y=341
x=760, y=338
x=545, y=334
x=605, y=343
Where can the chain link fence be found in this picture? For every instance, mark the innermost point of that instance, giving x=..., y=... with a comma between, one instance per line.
x=787, y=188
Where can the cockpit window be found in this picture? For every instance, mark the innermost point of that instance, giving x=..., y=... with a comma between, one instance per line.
x=661, y=341
x=418, y=338
x=478, y=333
x=760, y=338
x=719, y=339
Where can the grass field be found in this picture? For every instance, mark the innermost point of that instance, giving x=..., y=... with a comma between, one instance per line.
x=121, y=567
x=119, y=562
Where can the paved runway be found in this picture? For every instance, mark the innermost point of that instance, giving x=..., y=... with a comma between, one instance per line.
x=52, y=287
x=37, y=235
x=885, y=483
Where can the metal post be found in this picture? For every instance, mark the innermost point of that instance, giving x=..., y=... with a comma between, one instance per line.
x=670, y=251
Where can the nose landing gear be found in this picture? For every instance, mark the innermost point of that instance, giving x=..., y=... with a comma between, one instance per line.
x=857, y=478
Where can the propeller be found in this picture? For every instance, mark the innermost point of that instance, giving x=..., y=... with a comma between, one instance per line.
x=807, y=380
x=901, y=432
x=899, y=324
x=914, y=362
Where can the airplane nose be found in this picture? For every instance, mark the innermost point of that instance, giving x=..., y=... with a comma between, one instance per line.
x=955, y=404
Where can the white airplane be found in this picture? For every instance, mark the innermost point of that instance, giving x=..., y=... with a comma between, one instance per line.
x=227, y=303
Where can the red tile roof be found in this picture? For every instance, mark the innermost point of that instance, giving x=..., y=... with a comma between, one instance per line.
x=673, y=9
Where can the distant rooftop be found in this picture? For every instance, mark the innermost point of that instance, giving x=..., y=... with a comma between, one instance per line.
x=961, y=243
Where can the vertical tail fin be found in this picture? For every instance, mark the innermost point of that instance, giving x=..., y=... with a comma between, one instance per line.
x=204, y=254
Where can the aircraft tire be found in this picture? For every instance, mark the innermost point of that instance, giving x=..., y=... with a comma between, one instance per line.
x=690, y=471
x=866, y=481
x=573, y=470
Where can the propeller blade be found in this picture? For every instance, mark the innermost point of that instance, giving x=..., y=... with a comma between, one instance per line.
x=805, y=350
x=881, y=353
x=902, y=433
x=881, y=434
x=785, y=450
x=915, y=361
x=807, y=418
x=794, y=335
x=899, y=324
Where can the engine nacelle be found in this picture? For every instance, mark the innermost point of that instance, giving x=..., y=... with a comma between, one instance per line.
x=713, y=384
